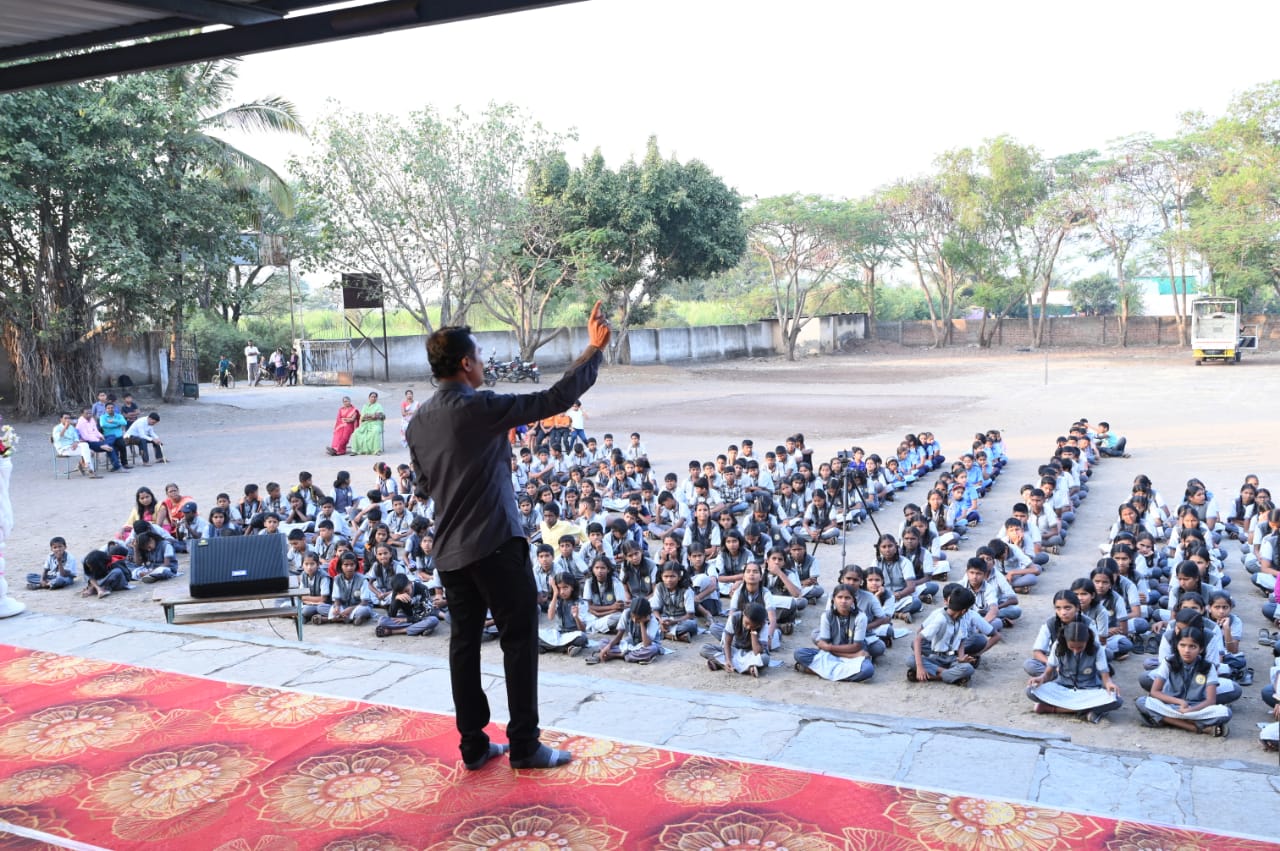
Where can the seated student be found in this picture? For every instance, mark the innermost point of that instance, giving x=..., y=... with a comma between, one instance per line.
x=567, y=559
x=1109, y=606
x=879, y=631
x=544, y=575
x=409, y=610
x=105, y=572
x=142, y=434
x=606, y=595
x=741, y=648
x=704, y=577
x=1066, y=609
x=977, y=635
x=637, y=570
x=380, y=573
x=1110, y=444
x=308, y=490
x=986, y=595
x=1262, y=564
x=1233, y=663
x=1244, y=511
x=346, y=596
x=1184, y=692
x=819, y=522
x=639, y=640
x=151, y=559
x=674, y=603
x=840, y=654
x=1191, y=615
x=909, y=590
x=917, y=546
x=784, y=585
x=805, y=568
x=938, y=649
x=59, y=568
x=297, y=550
x=315, y=586
x=190, y=526
x=1077, y=680
x=298, y=515
x=752, y=589
x=670, y=516
x=734, y=557
x=567, y=630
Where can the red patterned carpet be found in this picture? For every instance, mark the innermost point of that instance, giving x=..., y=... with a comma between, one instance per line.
x=123, y=757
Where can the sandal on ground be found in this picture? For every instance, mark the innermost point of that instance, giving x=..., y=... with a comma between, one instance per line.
x=574, y=650
x=1093, y=716
x=316, y=620
x=787, y=628
x=593, y=659
x=1220, y=731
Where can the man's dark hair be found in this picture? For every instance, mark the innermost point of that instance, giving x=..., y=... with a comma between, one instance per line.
x=447, y=347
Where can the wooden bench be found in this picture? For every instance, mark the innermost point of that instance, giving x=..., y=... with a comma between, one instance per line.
x=270, y=610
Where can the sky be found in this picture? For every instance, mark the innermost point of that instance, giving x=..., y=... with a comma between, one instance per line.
x=834, y=98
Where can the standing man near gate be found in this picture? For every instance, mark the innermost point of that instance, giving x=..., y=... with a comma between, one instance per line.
x=458, y=444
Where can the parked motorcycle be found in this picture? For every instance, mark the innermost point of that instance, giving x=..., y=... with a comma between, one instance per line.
x=525, y=370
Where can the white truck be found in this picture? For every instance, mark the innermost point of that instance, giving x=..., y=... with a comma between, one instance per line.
x=1216, y=331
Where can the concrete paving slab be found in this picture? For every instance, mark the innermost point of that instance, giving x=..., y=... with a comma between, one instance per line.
x=424, y=690
x=205, y=656
x=652, y=719
x=977, y=764
x=23, y=630
x=273, y=667
x=354, y=678
x=852, y=750
x=79, y=635
x=1228, y=795
x=1083, y=780
x=761, y=735
x=133, y=648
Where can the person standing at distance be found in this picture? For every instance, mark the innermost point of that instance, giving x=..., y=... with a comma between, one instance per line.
x=458, y=444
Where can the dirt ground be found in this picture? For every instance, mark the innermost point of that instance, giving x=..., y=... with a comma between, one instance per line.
x=1214, y=422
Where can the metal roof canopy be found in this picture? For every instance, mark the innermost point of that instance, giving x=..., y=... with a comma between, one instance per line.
x=37, y=35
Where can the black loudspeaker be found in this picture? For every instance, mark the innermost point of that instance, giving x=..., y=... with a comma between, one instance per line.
x=239, y=566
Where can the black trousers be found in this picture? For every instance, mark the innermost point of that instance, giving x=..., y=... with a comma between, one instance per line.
x=501, y=583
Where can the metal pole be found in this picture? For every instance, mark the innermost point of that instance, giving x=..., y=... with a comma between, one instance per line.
x=293, y=329
x=386, y=361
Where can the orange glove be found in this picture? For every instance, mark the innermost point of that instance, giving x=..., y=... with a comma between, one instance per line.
x=598, y=331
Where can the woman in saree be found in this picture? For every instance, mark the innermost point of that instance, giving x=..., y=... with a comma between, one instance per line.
x=368, y=437
x=343, y=427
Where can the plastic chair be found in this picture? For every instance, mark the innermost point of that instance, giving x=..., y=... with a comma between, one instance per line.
x=63, y=465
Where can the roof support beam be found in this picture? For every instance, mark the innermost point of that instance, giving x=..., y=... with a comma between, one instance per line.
x=209, y=11
x=258, y=38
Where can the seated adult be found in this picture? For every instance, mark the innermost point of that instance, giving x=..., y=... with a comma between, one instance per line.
x=67, y=443
x=367, y=439
x=112, y=423
x=87, y=427
x=173, y=502
x=343, y=427
x=142, y=434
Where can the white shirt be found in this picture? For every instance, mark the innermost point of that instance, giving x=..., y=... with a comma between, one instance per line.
x=251, y=354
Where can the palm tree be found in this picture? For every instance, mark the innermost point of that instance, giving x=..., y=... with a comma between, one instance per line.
x=194, y=158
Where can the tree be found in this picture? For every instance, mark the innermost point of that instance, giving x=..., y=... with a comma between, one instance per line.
x=546, y=257
x=1161, y=173
x=1096, y=295
x=431, y=205
x=1119, y=221
x=869, y=245
x=921, y=220
x=1235, y=217
x=649, y=224
x=802, y=241
x=72, y=192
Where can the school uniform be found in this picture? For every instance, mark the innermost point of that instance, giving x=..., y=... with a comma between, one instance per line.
x=679, y=606
x=1044, y=643
x=806, y=568
x=59, y=573
x=840, y=631
x=312, y=585
x=1190, y=683
x=943, y=640
x=564, y=632
x=896, y=576
x=345, y=593
x=613, y=592
x=1076, y=683
x=416, y=617
x=631, y=646
x=741, y=655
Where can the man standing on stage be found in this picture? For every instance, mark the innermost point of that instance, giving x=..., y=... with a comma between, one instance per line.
x=458, y=444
